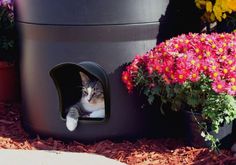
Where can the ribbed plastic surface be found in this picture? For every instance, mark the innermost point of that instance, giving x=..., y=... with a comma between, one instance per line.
x=109, y=33
x=84, y=12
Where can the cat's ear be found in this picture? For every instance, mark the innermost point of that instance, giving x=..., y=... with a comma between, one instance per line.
x=99, y=85
x=84, y=78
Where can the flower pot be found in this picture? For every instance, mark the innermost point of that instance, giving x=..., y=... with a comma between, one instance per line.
x=193, y=132
x=8, y=82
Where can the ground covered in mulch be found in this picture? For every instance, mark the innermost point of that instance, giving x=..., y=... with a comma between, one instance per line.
x=143, y=151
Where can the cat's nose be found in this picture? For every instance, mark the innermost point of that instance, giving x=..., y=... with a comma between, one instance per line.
x=89, y=99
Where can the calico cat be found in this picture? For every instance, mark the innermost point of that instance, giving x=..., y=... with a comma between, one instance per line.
x=91, y=104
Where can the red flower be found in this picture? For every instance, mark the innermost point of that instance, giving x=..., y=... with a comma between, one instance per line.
x=184, y=58
x=219, y=86
x=127, y=80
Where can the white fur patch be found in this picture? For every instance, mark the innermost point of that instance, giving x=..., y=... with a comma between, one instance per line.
x=87, y=106
x=98, y=114
x=71, y=123
x=72, y=118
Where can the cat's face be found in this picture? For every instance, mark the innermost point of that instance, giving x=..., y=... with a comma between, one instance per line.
x=92, y=91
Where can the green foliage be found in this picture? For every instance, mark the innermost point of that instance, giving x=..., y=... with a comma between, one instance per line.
x=195, y=71
x=215, y=108
x=7, y=33
x=219, y=109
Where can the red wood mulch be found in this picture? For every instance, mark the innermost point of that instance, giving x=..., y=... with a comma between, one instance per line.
x=157, y=151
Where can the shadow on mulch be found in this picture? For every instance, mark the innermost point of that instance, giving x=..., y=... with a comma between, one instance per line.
x=143, y=151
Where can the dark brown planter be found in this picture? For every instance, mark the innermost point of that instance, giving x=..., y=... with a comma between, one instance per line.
x=193, y=132
x=8, y=82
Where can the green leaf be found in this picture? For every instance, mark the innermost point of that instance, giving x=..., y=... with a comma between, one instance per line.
x=203, y=134
x=163, y=100
x=156, y=90
x=151, y=99
x=162, y=110
x=192, y=101
x=146, y=91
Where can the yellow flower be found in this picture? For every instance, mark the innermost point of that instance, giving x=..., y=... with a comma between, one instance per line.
x=224, y=6
x=212, y=17
x=200, y=3
x=218, y=13
x=216, y=10
x=224, y=16
x=209, y=6
x=218, y=2
x=232, y=4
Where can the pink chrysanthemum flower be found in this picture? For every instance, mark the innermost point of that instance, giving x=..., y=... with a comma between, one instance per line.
x=186, y=57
